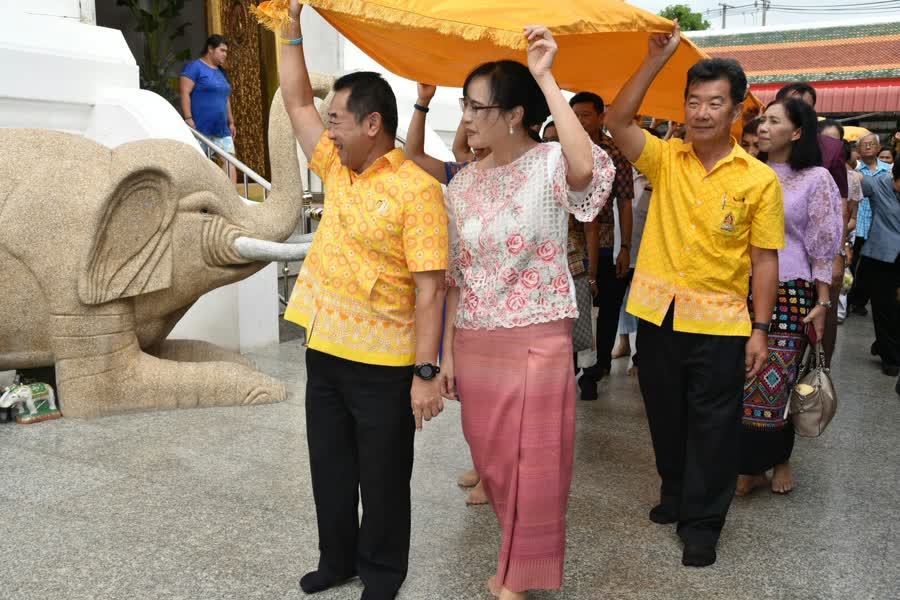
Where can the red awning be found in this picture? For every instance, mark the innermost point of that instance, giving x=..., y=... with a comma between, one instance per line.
x=874, y=95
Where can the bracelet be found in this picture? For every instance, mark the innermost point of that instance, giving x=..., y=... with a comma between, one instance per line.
x=295, y=42
x=625, y=246
x=761, y=326
x=189, y=118
x=592, y=281
x=824, y=303
x=424, y=109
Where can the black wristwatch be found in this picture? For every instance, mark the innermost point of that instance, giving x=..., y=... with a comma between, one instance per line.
x=761, y=326
x=418, y=106
x=426, y=371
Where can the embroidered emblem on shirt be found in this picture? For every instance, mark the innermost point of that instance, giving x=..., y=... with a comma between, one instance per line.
x=728, y=222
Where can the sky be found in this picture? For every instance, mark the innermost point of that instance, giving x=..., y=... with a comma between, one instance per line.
x=774, y=17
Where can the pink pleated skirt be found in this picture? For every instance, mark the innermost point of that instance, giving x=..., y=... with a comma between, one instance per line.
x=517, y=390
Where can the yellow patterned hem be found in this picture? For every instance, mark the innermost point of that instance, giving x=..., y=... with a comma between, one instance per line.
x=318, y=342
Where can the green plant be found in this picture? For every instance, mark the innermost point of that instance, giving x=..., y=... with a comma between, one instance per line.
x=161, y=36
x=688, y=19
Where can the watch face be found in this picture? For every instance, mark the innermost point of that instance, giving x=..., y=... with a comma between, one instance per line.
x=426, y=371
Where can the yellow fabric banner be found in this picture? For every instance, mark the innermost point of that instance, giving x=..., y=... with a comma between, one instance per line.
x=601, y=42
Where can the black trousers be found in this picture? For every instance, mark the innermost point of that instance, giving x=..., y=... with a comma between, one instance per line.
x=360, y=429
x=608, y=302
x=859, y=293
x=693, y=387
x=883, y=281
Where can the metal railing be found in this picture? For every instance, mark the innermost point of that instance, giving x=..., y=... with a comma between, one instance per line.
x=211, y=148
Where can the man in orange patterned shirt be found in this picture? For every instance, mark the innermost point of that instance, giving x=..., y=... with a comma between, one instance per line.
x=370, y=296
x=715, y=212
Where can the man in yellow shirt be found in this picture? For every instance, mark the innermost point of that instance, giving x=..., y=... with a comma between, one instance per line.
x=370, y=296
x=715, y=212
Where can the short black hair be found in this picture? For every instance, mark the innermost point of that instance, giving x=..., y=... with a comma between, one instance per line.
x=751, y=127
x=895, y=170
x=370, y=93
x=888, y=149
x=805, y=151
x=801, y=88
x=826, y=123
x=714, y=69
x=848, y=150
x=512, y=85
x=588, y=97
x=214, y=41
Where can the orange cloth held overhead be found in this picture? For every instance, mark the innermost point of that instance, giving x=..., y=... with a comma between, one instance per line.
x=601, y=42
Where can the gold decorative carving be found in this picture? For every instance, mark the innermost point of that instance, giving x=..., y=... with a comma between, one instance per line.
x=243, y=67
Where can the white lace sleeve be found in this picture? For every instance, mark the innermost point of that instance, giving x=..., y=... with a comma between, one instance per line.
x=587, y=203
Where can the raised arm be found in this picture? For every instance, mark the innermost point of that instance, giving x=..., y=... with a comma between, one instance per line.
x=576, y=144
x=461, y=150
x=296, y=89
x=620, y=117
x=415, y=138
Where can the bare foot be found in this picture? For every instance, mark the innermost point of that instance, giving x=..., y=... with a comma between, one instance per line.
x=633, y=371
x=493, y=587
x=505, y=594
x=477, y=496
x=782, y=479
x=748, y=483
x=468, y=479
x=623, y=348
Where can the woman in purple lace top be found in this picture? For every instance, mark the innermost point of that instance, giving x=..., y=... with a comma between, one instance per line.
x=813, y=224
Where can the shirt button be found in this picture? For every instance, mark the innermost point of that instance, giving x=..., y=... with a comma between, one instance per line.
x=681, y=274
x=699, y=202
x=693, y=227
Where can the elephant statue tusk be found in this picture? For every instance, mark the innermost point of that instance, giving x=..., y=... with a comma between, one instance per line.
x=266, y=251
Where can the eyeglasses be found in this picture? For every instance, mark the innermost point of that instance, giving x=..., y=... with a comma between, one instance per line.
x=867, y=144
x=466, y=104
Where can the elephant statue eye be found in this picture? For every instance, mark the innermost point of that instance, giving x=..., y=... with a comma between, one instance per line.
x=204, y=211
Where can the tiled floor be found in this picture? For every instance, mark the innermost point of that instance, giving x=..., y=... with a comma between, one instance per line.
x=216, y=504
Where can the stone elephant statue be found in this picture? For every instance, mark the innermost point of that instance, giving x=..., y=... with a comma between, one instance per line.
x=104, y=250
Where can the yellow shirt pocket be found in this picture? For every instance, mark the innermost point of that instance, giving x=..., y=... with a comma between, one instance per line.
x=731, y=226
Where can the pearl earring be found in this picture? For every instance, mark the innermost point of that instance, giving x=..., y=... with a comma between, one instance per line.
x=511, y=131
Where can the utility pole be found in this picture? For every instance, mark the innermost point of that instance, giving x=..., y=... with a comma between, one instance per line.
x=725, y=8
x=765, y=6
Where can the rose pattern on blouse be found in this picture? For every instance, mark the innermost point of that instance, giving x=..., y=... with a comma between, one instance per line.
x=510, y=228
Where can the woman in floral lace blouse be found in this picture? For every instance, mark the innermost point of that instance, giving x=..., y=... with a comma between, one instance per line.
x=508, y=341
x=813, y=224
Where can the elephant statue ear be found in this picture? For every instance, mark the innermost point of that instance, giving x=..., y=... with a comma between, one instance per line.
x=132, y=247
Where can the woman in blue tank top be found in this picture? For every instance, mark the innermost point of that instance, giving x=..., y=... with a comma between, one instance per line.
x=205, y=91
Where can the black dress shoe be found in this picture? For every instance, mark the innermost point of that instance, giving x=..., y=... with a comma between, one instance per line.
x=860, y=310
x=698, y=555
x=873, y=349
x=317, y=581
x=663, y=515
x=890, y=370
x=369, y=594
x=588, y=386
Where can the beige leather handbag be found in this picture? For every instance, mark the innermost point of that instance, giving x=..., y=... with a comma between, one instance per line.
x=813, y=400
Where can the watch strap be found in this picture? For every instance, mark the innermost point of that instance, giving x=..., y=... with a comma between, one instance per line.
x=418, y=106
x=761, y=326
